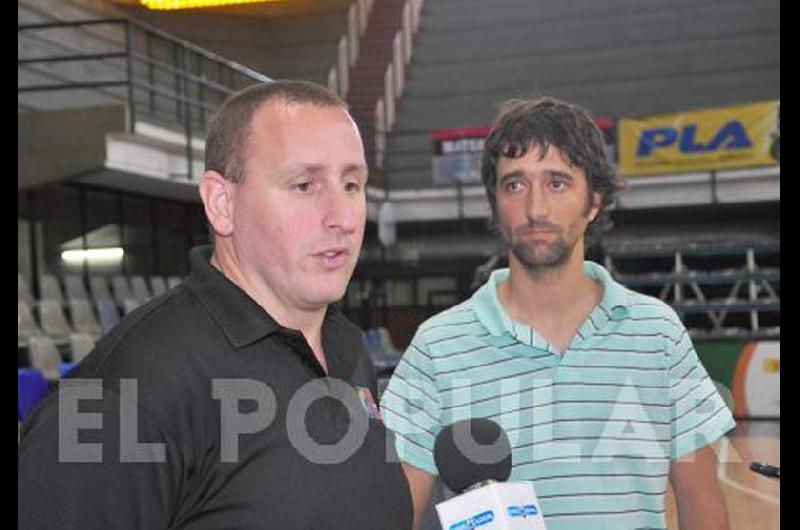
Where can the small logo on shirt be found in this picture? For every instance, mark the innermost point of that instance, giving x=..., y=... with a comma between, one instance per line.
x=368, y=402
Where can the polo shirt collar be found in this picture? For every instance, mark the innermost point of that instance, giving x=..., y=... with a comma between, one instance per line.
x=613, y=306
x=240, y=318
x=615, y=303
x=487, y=305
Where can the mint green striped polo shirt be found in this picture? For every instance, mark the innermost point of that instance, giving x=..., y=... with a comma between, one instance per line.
x=594, y=428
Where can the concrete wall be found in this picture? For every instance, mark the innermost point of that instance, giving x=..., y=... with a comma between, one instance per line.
x=61, y=144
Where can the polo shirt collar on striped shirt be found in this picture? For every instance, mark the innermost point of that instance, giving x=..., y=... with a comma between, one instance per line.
x=613, y=306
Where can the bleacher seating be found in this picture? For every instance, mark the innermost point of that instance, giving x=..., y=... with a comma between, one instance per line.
x=387, y=345
x=31, y=388
x=75, y=287
x=108, y=314
x=83, y=319
x=65, y=368
x=85, y=313
x=600, y=56
x=24, y=290
x=139, y=290
x=26, y=324
x=80, y=345
x=53, y=321
x=45, y=357
x=158, y=285
x=121, y=289
x=99, y=287
x=384, y=360
x=50, y=288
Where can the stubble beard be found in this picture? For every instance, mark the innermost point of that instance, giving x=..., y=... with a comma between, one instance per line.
x=538, y=255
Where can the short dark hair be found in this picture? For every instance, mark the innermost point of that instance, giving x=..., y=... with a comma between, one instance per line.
x=523, y=123
x=229, y=133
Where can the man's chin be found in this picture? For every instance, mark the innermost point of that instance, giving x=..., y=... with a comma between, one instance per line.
x=328, y=287
x=326, y=295
x=543, y=257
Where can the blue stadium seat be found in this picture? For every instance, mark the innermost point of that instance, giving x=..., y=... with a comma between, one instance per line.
x=384, y=362
x=65, y=368
x=107, y=311
x=31, y=388
x=374, y=342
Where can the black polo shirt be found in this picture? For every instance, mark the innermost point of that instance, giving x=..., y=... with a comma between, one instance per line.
x=250, y=432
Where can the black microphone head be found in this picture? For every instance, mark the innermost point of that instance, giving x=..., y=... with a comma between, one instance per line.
x=472, y=451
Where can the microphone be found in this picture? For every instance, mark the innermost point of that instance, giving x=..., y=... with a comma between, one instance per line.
x=461, y=470
x=474, y=460
x=766, y=470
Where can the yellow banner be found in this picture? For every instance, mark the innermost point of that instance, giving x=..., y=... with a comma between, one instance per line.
x=730, y=137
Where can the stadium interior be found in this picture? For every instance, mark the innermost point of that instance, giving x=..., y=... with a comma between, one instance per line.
x=114, y=99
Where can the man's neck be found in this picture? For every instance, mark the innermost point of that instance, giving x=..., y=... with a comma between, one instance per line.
x=309, y=323
x=549, y=294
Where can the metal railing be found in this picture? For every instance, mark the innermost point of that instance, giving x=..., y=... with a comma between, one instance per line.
x=721, y=291
x=347, y=49
x=394, y=77
x=166, y=80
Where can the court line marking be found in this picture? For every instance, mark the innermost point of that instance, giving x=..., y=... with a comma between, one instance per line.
x=724, y=448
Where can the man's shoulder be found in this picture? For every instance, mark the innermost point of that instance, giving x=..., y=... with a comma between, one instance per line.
x=645, y=306
x=650, y=315
x=154, y=340
x=459, y=321
x=164, y=349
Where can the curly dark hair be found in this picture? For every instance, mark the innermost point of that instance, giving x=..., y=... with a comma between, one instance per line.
x=524, y=123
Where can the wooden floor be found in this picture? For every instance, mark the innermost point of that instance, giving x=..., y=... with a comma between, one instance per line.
x=753, y=501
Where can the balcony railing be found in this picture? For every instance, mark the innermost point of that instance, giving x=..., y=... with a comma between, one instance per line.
x=161, y=78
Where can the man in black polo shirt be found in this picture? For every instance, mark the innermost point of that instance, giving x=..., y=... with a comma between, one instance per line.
x=240, y=399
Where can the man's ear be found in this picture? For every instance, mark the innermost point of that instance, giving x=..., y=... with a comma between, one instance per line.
x=594, y=207
x=217, y=194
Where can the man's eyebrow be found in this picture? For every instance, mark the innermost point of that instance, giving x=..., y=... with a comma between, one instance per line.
x=517, y=173
x=560, y=174
x=511, y=175
x=294, y=170
x=361, y=169
x=301, y=168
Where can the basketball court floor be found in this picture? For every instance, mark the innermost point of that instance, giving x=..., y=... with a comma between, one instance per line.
x=753, y=501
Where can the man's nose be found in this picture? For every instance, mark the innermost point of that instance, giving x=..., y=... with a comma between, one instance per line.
x=538, y=203
x=341, y=211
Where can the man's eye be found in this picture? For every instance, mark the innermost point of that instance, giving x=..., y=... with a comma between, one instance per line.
x=514, y=186
x=352, y=187
x=303, y=187
x=558, y=185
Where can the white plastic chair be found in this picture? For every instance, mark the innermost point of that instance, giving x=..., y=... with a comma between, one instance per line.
x=50, y=289
x=26, y=325
x=83, y=319
x=122, y=291
x=24, y=290
x=99, y=287
x=75, y=287
x=80, y=345
x=158, y=285
x=45, y=357
x=54, y=322
x=139, y=290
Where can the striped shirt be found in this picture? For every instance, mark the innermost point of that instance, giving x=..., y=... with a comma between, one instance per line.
x=594, y=427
